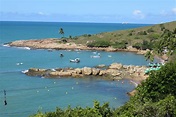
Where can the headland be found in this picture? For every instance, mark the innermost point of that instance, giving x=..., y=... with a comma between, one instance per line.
x=58, y=44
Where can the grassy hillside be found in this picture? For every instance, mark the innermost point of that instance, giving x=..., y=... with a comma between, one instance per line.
x=129, y=37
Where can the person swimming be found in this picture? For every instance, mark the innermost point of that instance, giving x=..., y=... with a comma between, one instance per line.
x=61, y=55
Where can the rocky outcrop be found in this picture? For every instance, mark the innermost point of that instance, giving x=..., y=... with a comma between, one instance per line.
x=102, y=73
x=95, y=71
x=87, y=71
x=114, y=71
x=36, y=72
x=132, y=93
x=78, y=71
x=115, y=66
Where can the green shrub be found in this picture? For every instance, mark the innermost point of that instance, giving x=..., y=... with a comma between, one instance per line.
x=136, y=38
x=162, y=27
x=147, y=45
x=96, y=111
x=150, y=30
x=130, y=34
x=142, y=33
x=99, y=43
x=87, y=35
x=143, y=46
x=174, y=31
x=137, y=45
x=70, y=36
x=156, y=97
x=120, y=45
x=154, y=36
x=160, y=83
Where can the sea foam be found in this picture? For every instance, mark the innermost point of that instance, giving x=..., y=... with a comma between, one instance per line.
x=6, y=45
x=26, y=48
x=24, y=71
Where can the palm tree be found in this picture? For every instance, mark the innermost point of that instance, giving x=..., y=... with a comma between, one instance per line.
x=61, y=31
x=149, y=56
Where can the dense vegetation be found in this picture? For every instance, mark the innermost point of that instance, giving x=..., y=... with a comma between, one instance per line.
x=156, y=97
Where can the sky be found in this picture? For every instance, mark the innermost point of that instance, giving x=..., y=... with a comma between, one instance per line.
x=102, y=11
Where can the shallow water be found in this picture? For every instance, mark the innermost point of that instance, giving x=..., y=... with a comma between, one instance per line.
x=25, y=94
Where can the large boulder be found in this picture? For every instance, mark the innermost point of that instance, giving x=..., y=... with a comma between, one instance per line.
x=78, y=71
x=115, y=66
x=102, y=72
x=63, y=74
x=125, y=66
x=36, y=72
x=33, y=70
x=113, y=72
x=95, y=71
x=87, y=71
x=77, y=75
x=54, y=73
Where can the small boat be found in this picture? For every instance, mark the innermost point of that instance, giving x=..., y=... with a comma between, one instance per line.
x=94, y=52
x=97, y=56
x=77, y=60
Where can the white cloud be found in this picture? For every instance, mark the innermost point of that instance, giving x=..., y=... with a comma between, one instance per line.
x=174, y=10
x=138, y=14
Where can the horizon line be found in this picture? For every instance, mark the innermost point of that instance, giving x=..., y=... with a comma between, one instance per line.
x=80, y=22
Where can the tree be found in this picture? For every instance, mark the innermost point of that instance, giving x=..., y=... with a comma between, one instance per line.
x=160, y=83
x=149, y=56
x=61, y=31
x=155, y=97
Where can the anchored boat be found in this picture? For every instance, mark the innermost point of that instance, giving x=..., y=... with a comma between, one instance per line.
x=77, y=60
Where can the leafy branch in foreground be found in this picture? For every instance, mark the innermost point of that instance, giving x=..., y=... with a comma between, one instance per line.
x=96, y=111
x=156, y=97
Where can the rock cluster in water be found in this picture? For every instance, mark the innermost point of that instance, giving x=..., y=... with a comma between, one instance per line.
x=114, y=71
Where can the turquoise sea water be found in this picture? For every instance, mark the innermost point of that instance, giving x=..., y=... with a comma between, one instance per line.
x=26, y=95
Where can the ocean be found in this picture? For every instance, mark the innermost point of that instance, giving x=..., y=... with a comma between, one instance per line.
x=25, y=95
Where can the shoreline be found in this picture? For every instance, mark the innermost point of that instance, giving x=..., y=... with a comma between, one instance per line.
x=57, y=44
x=134, y=74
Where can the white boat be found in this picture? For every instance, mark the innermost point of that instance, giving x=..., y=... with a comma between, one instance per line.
x=96, y=56
x=77, y=60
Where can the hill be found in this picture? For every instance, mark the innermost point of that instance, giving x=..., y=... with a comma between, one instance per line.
x=129, y=37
